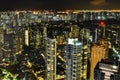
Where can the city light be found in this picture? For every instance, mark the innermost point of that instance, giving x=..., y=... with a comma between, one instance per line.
x=60, y=45
x=102, y=23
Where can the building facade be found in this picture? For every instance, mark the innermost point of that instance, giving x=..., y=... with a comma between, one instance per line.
x=51, y=58
x=98, y=53
x=73, y=59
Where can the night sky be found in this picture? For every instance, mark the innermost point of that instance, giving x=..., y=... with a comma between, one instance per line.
x=58, y=4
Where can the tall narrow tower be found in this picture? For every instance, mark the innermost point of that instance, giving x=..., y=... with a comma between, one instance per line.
x=27, y=37
x=73, y=59
x=1, y=43
x=50, y=59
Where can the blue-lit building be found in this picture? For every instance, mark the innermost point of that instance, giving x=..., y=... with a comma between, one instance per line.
x=73, y=59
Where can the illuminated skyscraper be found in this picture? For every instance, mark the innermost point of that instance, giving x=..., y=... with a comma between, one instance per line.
x=98, y=53
x=1, y=43
x=107, y=70
x=73, y=59
x=26, y=37
x=51, y=59
x=84, y=63
x=1, y=35
x=13, y=41
x=33, y=36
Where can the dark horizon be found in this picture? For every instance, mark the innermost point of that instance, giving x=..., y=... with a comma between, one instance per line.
x=6, y=5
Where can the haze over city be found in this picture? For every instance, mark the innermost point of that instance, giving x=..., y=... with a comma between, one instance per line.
x=58, y=4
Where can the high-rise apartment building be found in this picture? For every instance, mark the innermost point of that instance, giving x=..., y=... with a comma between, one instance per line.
x=84, y=63
x=13, y=41
x=51, y=58
x=107, y=70
x=73, y=59
x=27, y=37
x=98, y=53
x=1, y=43
x=33, y=36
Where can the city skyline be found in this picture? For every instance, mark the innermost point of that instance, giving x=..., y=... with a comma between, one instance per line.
x=60, y=45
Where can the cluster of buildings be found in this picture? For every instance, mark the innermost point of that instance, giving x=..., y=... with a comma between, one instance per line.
x=20, y=18
x=60, y=45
